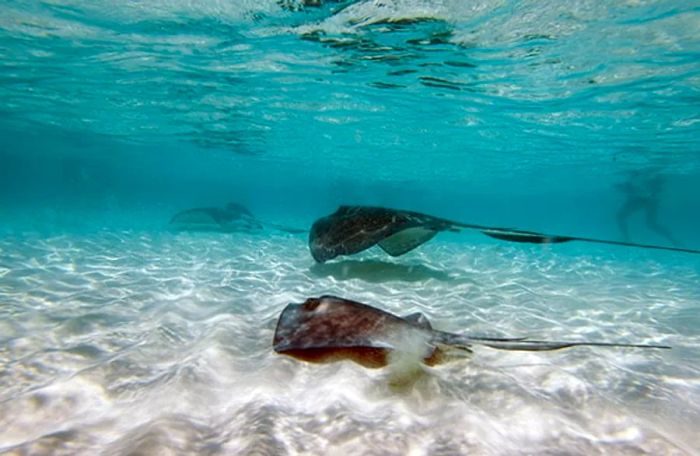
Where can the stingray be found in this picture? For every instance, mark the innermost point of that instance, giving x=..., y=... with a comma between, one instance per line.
x=232, y=217
x=352, y=229
x=329, y=328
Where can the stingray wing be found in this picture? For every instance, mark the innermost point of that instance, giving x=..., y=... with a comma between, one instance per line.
x=352, y=229
x=406, y=240
x=329, y=329
x=330, y=321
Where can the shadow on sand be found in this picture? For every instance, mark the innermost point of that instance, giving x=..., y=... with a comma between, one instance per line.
x=376, y=271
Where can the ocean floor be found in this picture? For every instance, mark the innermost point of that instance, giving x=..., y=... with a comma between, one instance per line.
x=160, y=343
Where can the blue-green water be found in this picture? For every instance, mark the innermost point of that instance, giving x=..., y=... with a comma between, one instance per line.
x=524, y=114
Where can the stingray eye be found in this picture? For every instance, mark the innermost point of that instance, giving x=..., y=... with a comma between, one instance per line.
x=311, y=304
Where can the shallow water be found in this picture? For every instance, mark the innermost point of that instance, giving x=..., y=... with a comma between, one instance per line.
x=143, y=343
x=118, y=336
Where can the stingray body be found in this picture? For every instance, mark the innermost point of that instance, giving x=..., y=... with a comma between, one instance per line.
x=329, y=328
x=352, y=229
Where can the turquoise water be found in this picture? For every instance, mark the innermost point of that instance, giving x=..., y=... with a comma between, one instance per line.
x=119, y=336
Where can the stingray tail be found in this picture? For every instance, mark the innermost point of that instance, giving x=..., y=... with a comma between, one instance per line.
x=533, y=237
x=525, y=344
x=543, y=345
x=286, y=229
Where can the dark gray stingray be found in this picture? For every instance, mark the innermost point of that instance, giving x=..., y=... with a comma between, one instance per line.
x=352, y=229
x=329, y=329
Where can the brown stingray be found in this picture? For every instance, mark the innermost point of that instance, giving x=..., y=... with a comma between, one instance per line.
x=352, y=229
x=329, y=329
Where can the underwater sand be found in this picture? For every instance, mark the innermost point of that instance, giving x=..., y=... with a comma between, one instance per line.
x=160, y=343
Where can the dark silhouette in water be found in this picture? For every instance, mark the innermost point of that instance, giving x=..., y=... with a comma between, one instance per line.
x=352, y=229
x=232, y=217
x=642, y=191
x=328, y=329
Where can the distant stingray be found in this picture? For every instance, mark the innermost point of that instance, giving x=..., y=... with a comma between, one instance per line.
x=232, y=217
x=329, y=329
x=352, y=229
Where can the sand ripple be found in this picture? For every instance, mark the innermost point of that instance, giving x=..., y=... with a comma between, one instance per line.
x=155, y=343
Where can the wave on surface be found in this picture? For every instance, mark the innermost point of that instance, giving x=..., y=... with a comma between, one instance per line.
x=246, y=76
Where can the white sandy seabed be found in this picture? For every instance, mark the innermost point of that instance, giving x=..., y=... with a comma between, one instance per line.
x=160, y=343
